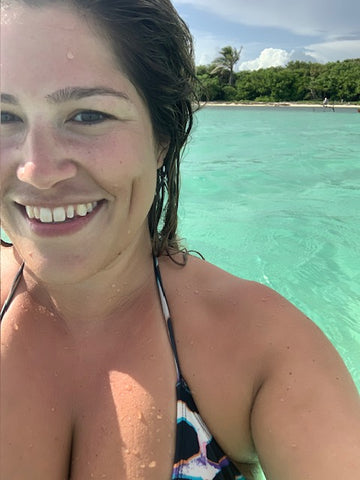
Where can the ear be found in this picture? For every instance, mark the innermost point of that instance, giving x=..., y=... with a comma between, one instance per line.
x=162, y=151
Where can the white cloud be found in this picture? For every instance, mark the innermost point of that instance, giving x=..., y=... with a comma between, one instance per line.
x=323, y=18
x=269, y=57
x=333, y=51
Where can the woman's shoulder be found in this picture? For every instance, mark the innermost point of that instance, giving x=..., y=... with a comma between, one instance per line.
x=222, y=290
x=248, y=311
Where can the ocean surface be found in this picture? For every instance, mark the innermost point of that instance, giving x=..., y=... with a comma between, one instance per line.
x=273, y=195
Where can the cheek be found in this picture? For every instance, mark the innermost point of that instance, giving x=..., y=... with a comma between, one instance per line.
x=9, y=159
x=117, y=157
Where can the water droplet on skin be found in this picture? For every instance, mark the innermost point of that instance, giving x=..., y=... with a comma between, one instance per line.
x=196, y=292
x=143, y=465
x=16, y=326
x=128, y=387
x=141, y=416
x=159, y=416
x=152, y=464
x=70, y=55
x=53, y=409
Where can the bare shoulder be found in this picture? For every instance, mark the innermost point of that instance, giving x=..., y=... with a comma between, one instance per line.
x=278, y=332
x=278, y=369
x=256, y=308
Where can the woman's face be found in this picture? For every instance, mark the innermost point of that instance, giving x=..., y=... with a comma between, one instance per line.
x=78, y=155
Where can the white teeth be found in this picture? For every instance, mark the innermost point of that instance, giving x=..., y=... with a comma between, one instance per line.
x=70, y=212
x=46, y=215
x=59, y=214
x=30, y=212
x=81, y=210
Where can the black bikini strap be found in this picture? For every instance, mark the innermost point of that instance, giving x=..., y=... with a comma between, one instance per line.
x=12, y=291
x=167, y=317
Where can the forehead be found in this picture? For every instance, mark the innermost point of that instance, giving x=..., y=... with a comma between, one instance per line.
x=52, y=44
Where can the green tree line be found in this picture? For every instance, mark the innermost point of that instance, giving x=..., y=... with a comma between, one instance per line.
x=297, y=81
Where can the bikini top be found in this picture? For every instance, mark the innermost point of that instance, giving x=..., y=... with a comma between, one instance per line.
x=197, y=454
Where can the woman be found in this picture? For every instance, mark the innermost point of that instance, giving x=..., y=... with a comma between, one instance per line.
x=96, y=107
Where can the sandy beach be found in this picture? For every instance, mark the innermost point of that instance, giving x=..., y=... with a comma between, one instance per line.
x=280, y=104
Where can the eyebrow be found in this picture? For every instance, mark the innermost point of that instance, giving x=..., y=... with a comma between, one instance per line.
x=6, y=98
x=71, y=93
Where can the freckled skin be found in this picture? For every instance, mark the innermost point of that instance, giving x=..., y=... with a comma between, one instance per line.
x=87, y=372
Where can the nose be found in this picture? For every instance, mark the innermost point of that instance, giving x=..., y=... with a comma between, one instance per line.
x=44, y=160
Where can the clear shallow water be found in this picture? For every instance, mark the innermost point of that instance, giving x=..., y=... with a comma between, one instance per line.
x=273, y=195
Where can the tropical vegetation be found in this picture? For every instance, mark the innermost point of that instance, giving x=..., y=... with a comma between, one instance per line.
x=298, y=81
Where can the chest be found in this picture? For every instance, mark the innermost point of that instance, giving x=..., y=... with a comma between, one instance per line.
x=75, y=412
x=105, y=407
x=124, y=427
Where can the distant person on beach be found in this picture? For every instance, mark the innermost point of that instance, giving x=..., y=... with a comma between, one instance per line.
x=123, y=356
x=325, y=102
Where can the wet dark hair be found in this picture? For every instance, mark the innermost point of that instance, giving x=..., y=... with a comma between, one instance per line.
x=154, y=48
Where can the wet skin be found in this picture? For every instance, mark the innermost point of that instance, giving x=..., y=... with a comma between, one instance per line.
x=87, y=373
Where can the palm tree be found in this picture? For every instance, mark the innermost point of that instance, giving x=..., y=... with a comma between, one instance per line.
x=229, y=57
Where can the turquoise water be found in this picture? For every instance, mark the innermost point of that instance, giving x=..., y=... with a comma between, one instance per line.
x=273, y=195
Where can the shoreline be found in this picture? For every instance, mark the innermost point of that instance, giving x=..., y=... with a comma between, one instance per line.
x=279, y=105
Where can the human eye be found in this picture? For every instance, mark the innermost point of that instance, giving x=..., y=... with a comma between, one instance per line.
x=9, y=118
x=90, y=117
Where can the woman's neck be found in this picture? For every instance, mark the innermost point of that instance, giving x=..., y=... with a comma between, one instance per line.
x=112, y=292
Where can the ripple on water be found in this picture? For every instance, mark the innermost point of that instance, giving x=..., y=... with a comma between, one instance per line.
x=274, y=196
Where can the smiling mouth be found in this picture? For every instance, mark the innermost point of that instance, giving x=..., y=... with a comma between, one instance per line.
x=59, y=214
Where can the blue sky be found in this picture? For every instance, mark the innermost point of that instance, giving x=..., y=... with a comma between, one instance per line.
x=273, y=32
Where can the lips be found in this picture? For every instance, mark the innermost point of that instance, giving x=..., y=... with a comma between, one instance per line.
x=60, y=213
